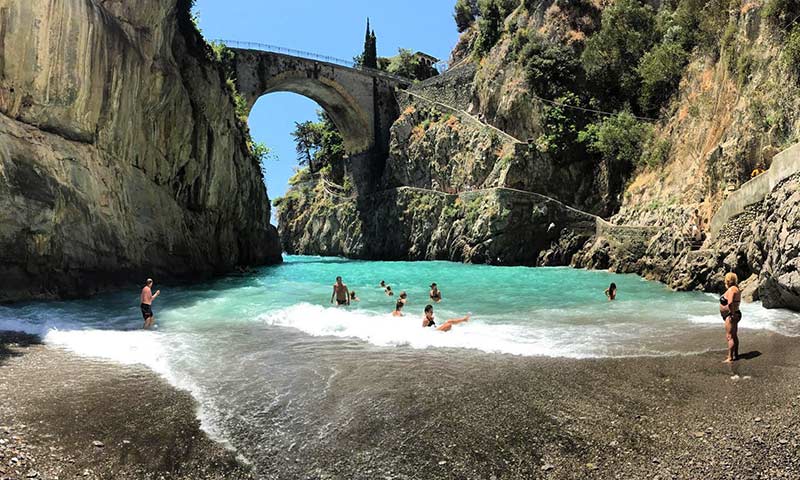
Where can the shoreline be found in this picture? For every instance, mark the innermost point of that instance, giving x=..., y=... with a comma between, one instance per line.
x=66, y=416
x=682, y=416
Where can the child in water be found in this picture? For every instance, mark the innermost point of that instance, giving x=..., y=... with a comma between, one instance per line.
x=353, y=297
x=611, y=291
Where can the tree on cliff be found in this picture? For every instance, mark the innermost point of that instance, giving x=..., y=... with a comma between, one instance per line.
x=369, y=58
x=612, y=55
x=319, y=144
x=489, y=27
x=407, y=64
x=464, y=14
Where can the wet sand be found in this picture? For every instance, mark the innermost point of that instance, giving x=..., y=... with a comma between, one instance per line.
x=430, y=414
x=66, y=417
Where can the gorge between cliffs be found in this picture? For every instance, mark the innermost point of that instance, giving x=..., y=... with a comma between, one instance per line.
x=563, y=199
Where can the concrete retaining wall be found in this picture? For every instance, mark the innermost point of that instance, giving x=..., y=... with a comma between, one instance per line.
x=784, y=165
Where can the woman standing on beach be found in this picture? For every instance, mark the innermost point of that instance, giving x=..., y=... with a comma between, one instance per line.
x=729, y=309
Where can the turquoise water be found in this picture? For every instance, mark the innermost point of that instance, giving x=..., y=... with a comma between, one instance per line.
x=261, y=352
x=516, y=310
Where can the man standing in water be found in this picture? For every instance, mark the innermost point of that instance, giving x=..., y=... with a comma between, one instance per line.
x=340, y=292
x=147, y=298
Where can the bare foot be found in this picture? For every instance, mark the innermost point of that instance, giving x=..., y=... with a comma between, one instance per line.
x=728, y=360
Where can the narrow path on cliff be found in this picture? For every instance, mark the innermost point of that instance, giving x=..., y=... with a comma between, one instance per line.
x=464, y=113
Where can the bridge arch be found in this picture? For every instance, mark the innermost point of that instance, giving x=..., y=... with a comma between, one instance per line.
x=353, y=122
x=360, y=102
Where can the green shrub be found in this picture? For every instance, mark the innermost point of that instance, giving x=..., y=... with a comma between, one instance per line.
x=713, y=18
x=744, y=67
x=406, y=64
x=661, y=70
x=551, y=69
x=559, y=125
x=490, y=27
x=464, y=14
x=618, y=139
x=791, y=50
x=782, y=13
x=239, y=101
x=450, y=212
x=612, y=55
x=656, y=153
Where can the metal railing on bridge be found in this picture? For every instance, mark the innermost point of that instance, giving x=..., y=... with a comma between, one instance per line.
x=310, y=55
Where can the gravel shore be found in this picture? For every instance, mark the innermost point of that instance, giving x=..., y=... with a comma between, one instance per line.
x=65, y=417
x=444, y=414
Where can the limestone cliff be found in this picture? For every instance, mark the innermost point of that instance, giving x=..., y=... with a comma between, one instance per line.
x=121, y=155
x=722, y=101
x=732, y=114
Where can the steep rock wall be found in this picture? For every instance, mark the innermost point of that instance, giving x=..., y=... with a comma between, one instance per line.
x=120, y=152
x=732, y=114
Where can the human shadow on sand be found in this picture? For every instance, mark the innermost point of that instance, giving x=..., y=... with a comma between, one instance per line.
x=750, y=355
x=15, y=339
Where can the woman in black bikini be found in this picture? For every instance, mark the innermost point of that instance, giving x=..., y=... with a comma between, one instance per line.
x=428, y=321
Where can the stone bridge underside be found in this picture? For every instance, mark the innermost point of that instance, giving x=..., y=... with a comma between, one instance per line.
x=361, y=104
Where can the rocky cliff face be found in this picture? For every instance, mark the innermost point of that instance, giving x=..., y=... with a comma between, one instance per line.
x=120, y=152
x=733, y=108
x=732, y=114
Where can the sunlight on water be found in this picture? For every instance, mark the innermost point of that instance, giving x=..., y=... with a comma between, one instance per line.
x=274, y=335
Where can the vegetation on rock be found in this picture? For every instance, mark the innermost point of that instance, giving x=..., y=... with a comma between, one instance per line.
x=464, y=14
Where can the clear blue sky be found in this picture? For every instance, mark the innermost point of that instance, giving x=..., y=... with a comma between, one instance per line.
x=329, y=27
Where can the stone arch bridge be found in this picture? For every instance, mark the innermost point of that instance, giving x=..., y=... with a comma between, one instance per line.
x=360, y=101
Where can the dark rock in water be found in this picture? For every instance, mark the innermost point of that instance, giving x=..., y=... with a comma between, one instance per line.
x=121, y=152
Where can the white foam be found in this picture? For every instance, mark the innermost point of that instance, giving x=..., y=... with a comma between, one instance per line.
x=385, y=330
x=755, y=316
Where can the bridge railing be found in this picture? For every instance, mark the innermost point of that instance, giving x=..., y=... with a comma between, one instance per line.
x=310, y=55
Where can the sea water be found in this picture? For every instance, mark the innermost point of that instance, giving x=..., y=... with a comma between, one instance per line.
x=261, y=351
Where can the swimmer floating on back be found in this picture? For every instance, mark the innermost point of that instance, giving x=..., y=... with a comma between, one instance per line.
x=428, y=321
x=611, y=291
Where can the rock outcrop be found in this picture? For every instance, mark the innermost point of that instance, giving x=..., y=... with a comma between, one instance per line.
x=496, y=226
x=733, y=107
x=121, y=155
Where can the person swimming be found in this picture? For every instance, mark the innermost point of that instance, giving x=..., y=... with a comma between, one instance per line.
x=354, y=297
x=398, y=309
x=436, y=294
x=389, y=291
x=611, y=291
x=428, y=320
x=383, y=284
